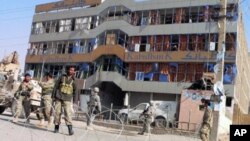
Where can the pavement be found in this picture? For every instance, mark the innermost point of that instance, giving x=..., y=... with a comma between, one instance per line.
x=22, y=131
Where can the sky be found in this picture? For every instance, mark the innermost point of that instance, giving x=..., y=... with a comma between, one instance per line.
x=15, y=26
x=16, y=19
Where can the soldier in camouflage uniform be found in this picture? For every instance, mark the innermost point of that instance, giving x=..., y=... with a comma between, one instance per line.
x=207, y=121
x=46, y=103
x=94, y=105
x=23, y=98
x=148, y=114
x=63, y=93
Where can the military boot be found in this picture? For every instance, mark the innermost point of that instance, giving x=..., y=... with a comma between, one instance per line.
x=56, y=129
x=71, y=132
x=50, y=122
x=41, y=122
x=141, y=133
x=15, y=120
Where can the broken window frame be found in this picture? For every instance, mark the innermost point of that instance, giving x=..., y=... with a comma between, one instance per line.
x=82, y=23
x=65, y=25
x=175, y=42
x=194, y=14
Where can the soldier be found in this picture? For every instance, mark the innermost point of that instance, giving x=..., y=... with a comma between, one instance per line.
x=63, y=94
x=207, y=121
x=94, y=104
x=22, y=95
x=46, y=103
x=148, y=114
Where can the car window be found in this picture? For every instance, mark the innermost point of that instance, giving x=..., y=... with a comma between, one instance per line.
x=141, y=107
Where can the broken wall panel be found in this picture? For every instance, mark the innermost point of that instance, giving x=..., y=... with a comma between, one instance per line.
x=173, y=68
x=154, y=17
x=199, y=69
x=151, y=42
x=206, y=13
x=181, y=73
x=185, y=15
x=230, y=41
x=183, y=42
x=192, y=42
x=166, y=45
x=132, y=70
x=164, y=72
x=178, y=15
x=190, y=72
x=201, y=42
x=159, y=42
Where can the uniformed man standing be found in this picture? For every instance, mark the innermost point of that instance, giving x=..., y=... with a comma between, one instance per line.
x=207, y=121
x=148, y=114
x=63, y=93
x=94, y=105
x=23, y=98
x=46, y=103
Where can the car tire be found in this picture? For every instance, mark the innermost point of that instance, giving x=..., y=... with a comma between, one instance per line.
x=160, y=122
x=124, y=118
x=2, y=109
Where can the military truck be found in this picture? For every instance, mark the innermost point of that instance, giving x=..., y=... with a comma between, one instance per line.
x=9, y=82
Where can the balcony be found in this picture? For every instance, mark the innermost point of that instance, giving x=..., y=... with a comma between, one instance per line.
x=142, y=86
x=119, y=51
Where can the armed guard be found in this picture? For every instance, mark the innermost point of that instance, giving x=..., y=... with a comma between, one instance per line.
x=148, y=115
x=94, y=105
x=46, y=103
x=23, y=98
x=63, y=94
x=207, y=121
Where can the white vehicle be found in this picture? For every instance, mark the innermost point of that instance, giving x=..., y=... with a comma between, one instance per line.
x=165, y=112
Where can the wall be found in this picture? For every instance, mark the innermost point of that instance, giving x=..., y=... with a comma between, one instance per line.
x=242, y=87
x=189, y=108
x=239, y=117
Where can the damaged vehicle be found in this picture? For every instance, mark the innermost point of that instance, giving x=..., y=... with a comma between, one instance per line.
x=165, y=113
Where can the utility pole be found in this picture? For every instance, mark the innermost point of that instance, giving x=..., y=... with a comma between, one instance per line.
x=220, y=63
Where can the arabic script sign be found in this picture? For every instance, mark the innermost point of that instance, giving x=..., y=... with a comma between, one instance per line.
x=185, y=56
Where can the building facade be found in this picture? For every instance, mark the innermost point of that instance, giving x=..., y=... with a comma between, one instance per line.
x=145, y=49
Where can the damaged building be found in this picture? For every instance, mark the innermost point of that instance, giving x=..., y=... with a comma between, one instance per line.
x=147, y=50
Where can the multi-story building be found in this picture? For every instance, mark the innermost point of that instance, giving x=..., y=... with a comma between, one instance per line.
x=145, y=49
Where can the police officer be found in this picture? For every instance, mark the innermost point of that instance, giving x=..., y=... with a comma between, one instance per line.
x=46, y=103
x=148, y=114
x=63, y=94
x=23, y=98
x=207, y=121
x=94, y=104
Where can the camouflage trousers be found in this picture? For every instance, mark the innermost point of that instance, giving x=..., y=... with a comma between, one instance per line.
x=204, y=132
x=22, y=102
x=92, y=111
x=146, y=125
x=67, y=107
x=46, y=106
